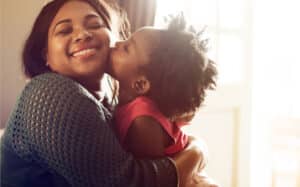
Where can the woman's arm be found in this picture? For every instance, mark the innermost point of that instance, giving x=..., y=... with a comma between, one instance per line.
x=68, y=132
x=200, y=146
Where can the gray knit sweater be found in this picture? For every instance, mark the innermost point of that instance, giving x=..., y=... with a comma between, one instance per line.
x=61, y=134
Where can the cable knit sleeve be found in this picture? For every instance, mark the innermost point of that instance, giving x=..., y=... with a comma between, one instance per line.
x=60, y=126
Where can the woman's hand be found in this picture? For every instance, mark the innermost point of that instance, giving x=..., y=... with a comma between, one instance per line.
x=191, y=160
x=201, y=147
x=202, y=180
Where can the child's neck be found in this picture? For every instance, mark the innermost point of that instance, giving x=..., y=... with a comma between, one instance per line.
x=125, y=96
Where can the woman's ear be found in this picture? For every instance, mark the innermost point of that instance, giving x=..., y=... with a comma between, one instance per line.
x=141, y=85
x=44, y=54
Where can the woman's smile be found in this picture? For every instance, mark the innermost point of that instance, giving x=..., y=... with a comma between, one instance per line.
x=84, y=51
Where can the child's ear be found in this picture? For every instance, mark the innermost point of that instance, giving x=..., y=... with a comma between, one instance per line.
x=141, y=85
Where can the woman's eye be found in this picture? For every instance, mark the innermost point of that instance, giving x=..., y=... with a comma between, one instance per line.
x=95, y=25
x=64, y=31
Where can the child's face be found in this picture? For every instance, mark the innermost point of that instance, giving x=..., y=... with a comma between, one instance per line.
x=128, y=56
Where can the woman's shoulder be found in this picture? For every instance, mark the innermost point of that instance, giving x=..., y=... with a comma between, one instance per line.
x=54, y=81
x=57, y=90
x=55, y=85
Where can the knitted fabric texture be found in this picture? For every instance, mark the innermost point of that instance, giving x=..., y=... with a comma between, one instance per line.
x=60, y=126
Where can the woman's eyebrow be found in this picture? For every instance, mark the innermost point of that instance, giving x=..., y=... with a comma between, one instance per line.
x=61, y=22
x=90, y=16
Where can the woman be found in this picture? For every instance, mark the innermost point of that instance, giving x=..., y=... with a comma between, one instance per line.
x=59, y=132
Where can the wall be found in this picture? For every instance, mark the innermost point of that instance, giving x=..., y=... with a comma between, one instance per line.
x=1, y=59
x=223, y=122
x=276, y=91
x=16, y=20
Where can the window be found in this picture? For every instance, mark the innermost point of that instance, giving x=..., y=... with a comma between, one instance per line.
x=225, y=21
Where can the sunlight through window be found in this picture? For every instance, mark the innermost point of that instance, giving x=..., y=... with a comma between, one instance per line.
x=255, y=43
x=225, y=28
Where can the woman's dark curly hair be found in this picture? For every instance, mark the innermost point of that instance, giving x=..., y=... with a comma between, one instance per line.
x=179, y=70
x=34, y=61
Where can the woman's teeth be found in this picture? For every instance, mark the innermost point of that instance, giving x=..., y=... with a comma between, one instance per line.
x=85, y=52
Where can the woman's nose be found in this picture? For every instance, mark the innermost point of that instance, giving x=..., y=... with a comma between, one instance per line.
x=82, y=35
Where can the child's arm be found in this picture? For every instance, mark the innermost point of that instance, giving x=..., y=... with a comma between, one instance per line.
x=146, y=138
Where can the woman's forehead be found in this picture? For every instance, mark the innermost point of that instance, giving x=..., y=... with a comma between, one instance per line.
x=74, y=9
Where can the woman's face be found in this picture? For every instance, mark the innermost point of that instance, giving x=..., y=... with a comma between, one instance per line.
x=78, y=42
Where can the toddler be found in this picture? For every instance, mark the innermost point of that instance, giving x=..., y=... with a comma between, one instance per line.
x=163, y=75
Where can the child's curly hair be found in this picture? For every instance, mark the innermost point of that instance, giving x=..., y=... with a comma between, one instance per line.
x=179, y=70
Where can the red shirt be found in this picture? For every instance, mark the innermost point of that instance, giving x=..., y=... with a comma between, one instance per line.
x=143, y=106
